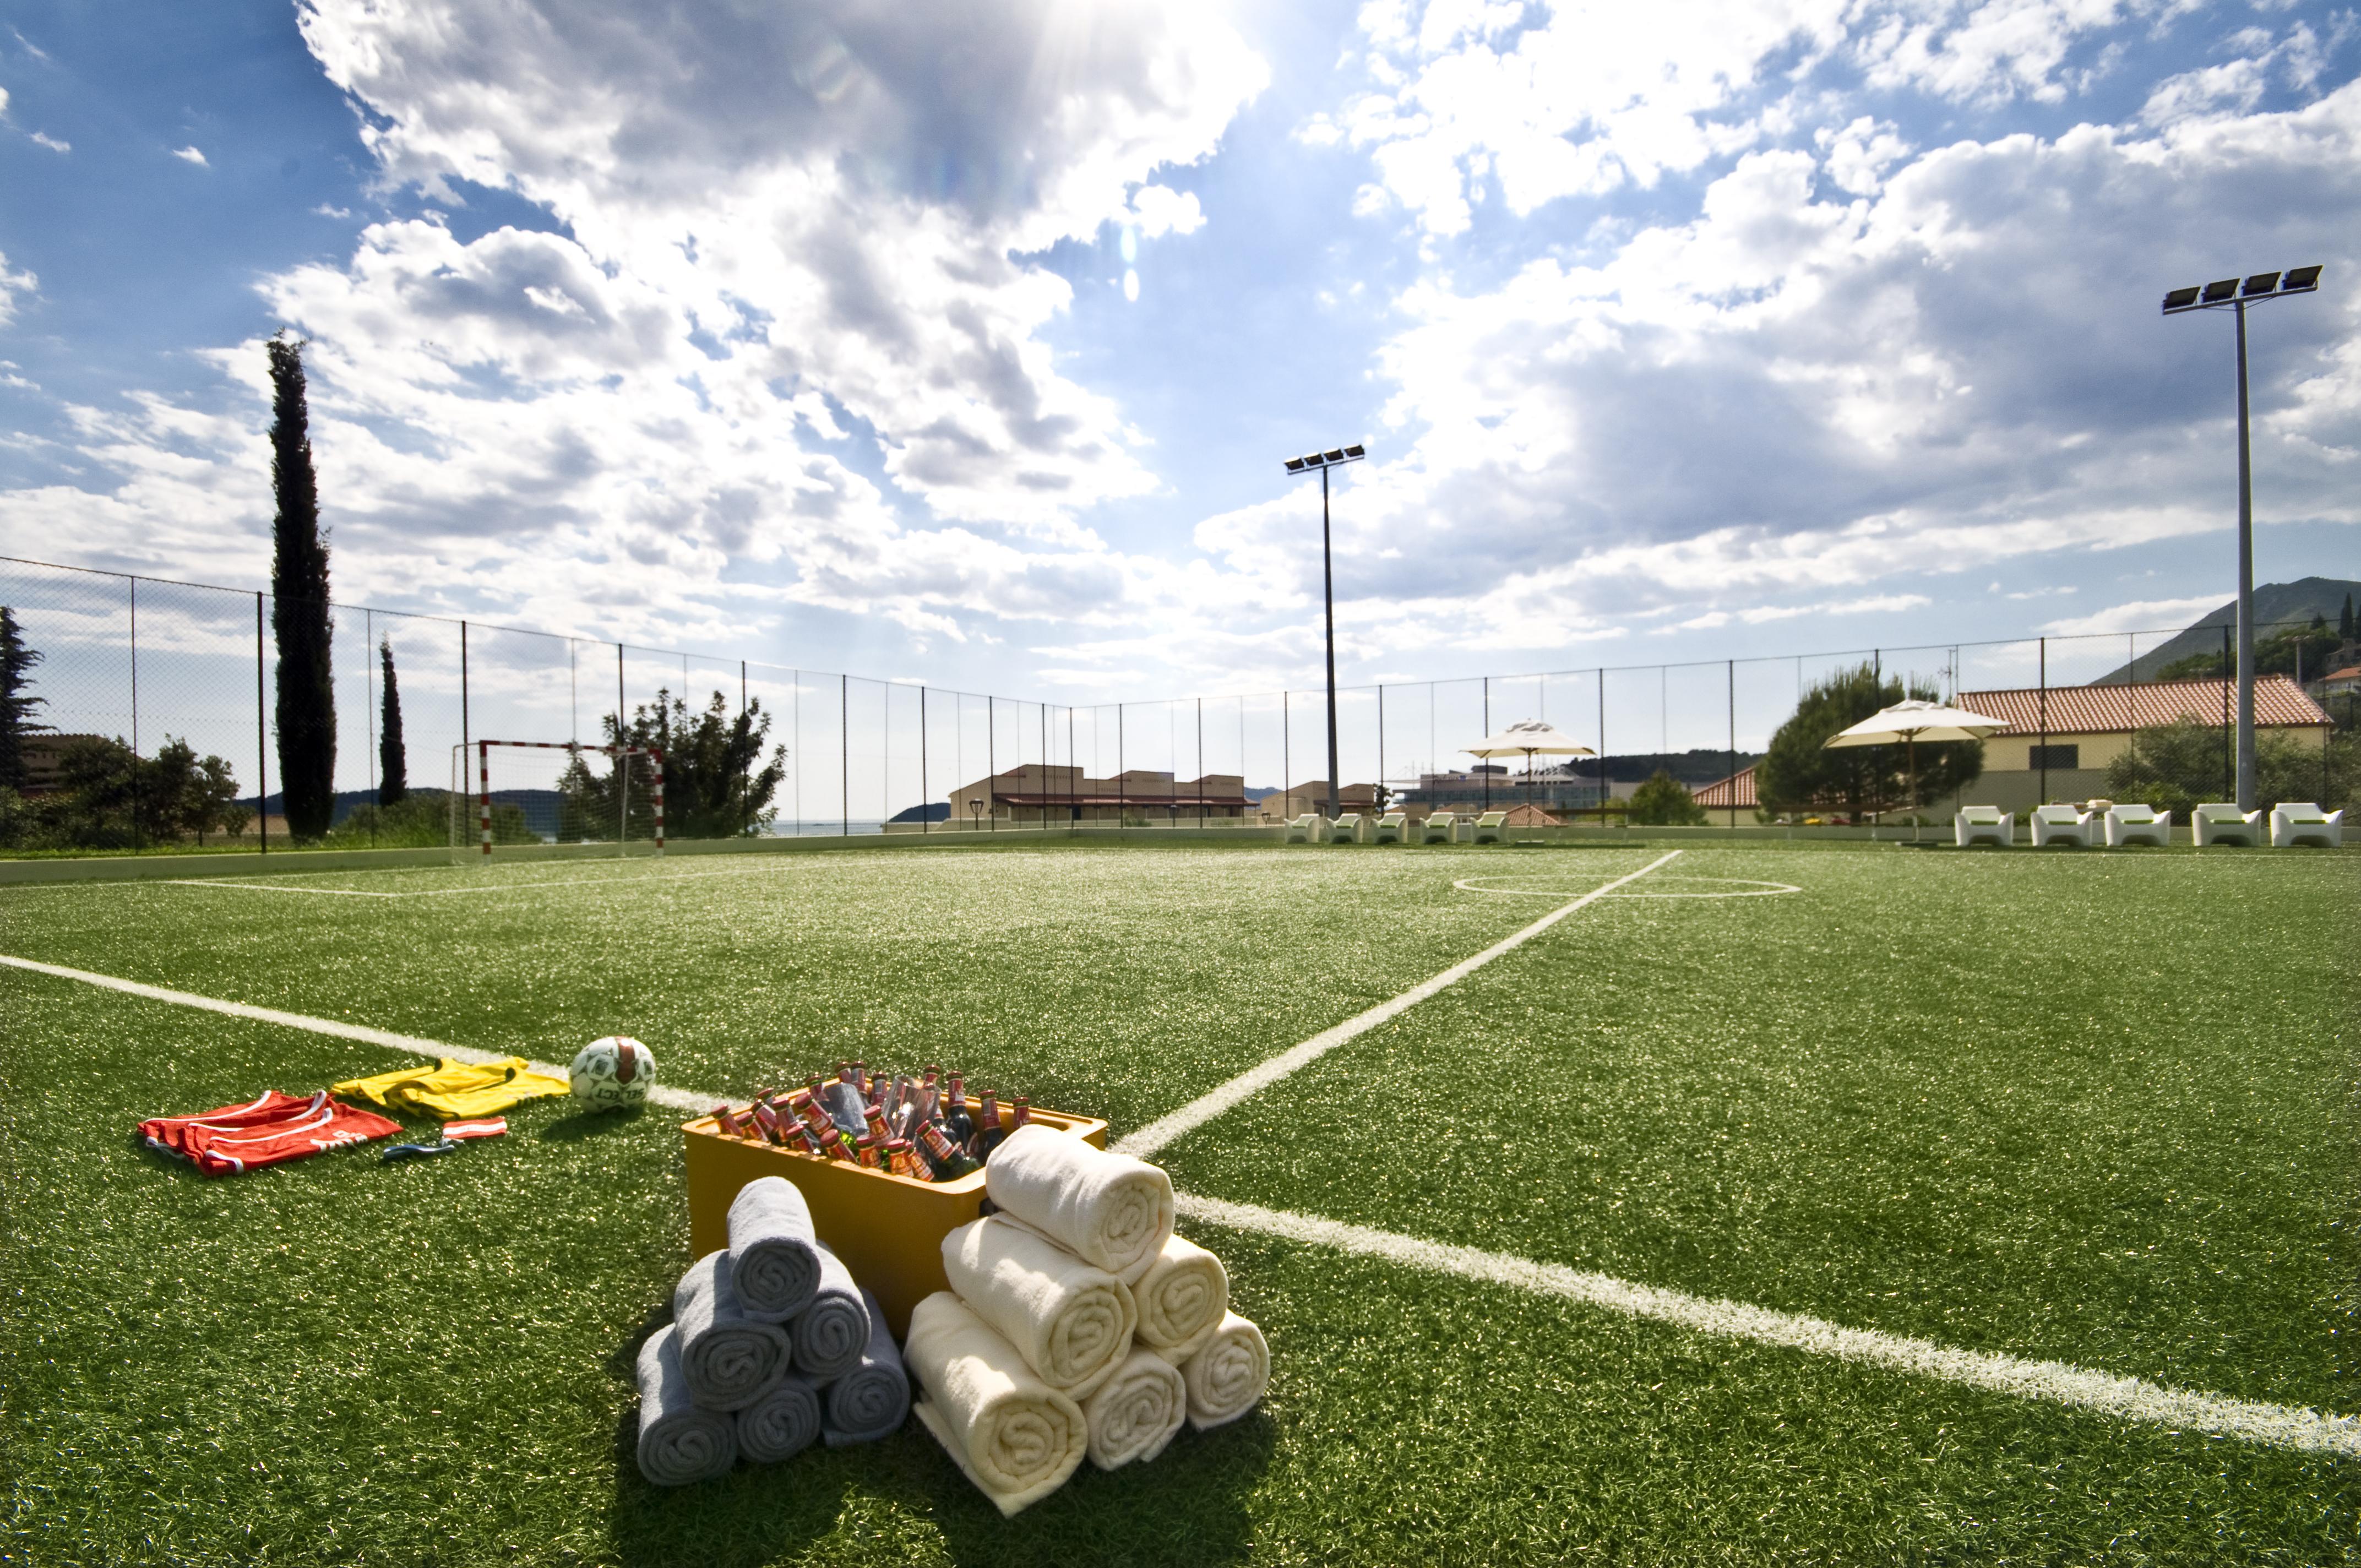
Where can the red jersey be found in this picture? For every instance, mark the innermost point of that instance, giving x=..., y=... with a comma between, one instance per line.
x=272, y=1130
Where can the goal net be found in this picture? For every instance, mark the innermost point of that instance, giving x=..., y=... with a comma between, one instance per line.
x=521, y=792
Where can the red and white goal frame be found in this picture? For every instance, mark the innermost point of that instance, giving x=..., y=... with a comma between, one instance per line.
x=484, y=779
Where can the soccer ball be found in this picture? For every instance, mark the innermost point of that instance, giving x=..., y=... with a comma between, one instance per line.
x=612, y=1073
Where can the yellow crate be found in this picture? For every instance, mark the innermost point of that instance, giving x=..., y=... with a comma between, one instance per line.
x=888, y=1229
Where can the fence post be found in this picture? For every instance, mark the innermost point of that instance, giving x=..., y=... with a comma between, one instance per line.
x=1733, y=742
x=261, y=739
x=2044, y=701
x=991, y=760
x=464, y=731
x=135, y=844
x=844, y=754
x=926, y=803
x=1201, y=752
x=1286, y=762
x=1487, y=761
x=2229, y=774
x=1603, y=786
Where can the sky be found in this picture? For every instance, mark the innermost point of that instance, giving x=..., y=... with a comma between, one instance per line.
x=963, y=343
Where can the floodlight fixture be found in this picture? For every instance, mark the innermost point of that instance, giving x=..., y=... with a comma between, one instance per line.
x=1323, y=461
x=2235, y=294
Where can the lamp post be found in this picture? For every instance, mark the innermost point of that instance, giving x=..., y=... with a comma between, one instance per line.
x=2235, y=294
x=1323, y=461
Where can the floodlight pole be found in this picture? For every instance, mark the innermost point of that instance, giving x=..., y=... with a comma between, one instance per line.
x=1328, y=595
x=2235, y=294
x=2246, y=786
x=1323, y=461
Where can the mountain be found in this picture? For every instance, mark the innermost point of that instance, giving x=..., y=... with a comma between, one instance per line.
x=2295, y=602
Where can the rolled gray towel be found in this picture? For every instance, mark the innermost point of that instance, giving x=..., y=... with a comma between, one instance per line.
x=830, y=1333
x=729, y=1359
x=774, y=1251
x=679, y=1442
x=781, y=1423
x=869, y=1401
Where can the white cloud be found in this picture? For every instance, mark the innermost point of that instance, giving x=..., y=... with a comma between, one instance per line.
x=2138, y=615
x=786, y=230
x=1157, y=211
x=43, y=139
x=190, y=154
x=13, y=287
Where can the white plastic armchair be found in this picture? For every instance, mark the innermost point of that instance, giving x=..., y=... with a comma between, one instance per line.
x=1983, y=825
x=2060, y=825
x=1350, y=829
x=2221, y=822
x=1393, y=827
x=2137, y=825
x=2297, y=822
x=1304, y=829
x=1491, y=827
x=1441, y=827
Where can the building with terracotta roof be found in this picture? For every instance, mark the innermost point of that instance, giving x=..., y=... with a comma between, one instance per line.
x=1035, y=794
x=2060, y=739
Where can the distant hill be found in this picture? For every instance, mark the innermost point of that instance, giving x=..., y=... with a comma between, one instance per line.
x=2296, y=602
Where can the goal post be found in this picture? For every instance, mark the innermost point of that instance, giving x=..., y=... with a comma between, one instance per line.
x=546, y=792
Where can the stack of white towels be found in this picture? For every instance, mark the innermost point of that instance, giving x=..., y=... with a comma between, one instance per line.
x=772, y=1344
x=1077, y=1324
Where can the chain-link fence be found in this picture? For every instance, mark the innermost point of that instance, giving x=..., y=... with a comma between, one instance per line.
x=148, y=725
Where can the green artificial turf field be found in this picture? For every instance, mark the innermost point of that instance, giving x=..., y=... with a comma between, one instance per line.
x=2095, y=1109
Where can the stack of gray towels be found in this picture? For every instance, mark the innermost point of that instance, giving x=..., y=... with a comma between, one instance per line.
x=772, y=1344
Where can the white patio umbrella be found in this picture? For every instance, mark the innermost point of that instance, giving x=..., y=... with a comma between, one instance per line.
x=1530, y=737
x=1911, y=722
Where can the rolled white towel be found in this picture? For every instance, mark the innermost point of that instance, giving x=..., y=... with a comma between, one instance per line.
x=1107, y=1209
x=1135, y=1412
x=1226, y=1378
x=774, y=1251
x=729, y=1359
x=680, y=1440
x=1011, y=1434
x=1185, y=1292
x=1071, y=1323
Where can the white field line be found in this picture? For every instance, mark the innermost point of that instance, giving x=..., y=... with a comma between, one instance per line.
x=1759, y=889
x=2050, y=1382
x=455, y=891
x=679, y=1099
x=1207, y=1106
x=2132, y=1398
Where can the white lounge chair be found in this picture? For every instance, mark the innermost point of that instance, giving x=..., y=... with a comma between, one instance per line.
x=1350, y=829
x=2297, y=822
x=2137, y=825
x=2221, y=822
x=2060, y=825
x=1490, y=828
x=1304, y=829
x=1983, y=825
x=1393, y=827
x=1441, y=827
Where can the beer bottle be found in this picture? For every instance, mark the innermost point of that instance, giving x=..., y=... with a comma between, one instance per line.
x=957, y=1124
x=877, y=1128
x=948, y=1163
x=766, y=1121
x=988, y=1130
x=861, y=1077
x=1020, y=1111
x=725, y=1122
x=899, y=1159
x=831, y=1144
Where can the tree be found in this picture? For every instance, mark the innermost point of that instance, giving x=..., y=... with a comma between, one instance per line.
x=2173, y=767
x=1664, y=802
x=299, y=609
x=1798, y=774
x=713, y=788
x=17, y=663
x=392, y=763
x=2344, y=621
x=108, y=798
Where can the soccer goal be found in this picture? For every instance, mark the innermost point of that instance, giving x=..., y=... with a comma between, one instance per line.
x=556, y=791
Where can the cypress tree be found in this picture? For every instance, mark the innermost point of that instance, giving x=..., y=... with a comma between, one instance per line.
x=17, y=663
x=393, y=773
x=2344, y=621
x=298, y=610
